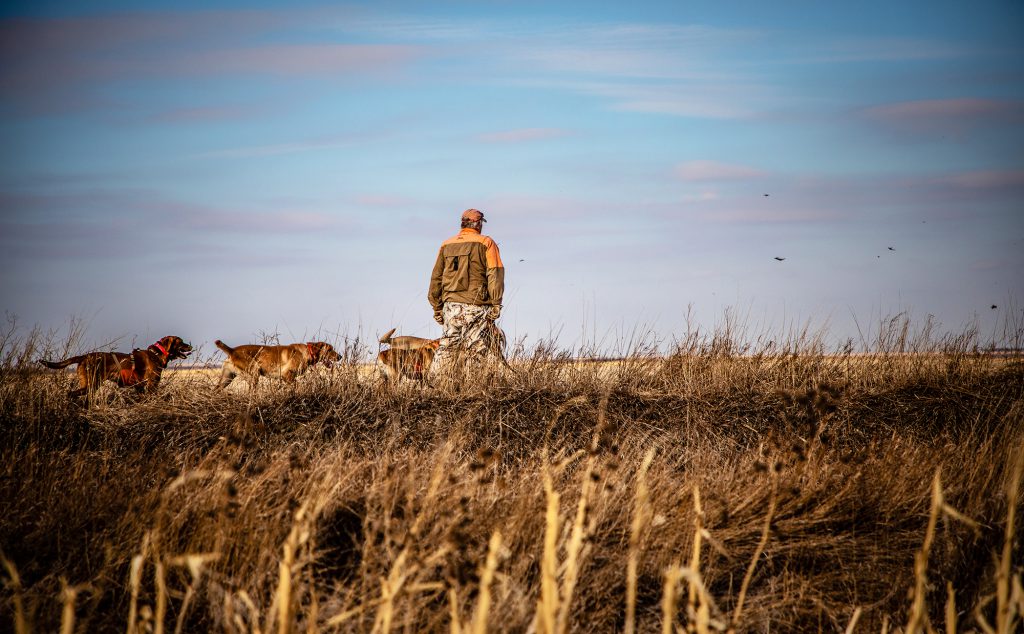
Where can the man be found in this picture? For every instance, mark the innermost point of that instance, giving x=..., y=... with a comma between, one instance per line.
x=466, y=288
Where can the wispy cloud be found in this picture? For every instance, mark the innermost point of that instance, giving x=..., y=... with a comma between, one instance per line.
x=383, y=200
x=292, y=147
x=715, y=171
x=675, y=69
x=988, y=179
x=61, y=64
x=292, y=60
x=205, y=114
x=950, y=116
x=797, y=49
x=772, y=216
x=523, y=134
x=87, y=222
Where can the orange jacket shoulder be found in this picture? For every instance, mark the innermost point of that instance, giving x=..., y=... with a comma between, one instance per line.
x=490, y=246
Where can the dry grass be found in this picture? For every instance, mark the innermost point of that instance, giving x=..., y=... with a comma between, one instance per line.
x=726, y=486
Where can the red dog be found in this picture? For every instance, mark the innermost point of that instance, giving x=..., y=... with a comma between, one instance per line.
x=141, y=369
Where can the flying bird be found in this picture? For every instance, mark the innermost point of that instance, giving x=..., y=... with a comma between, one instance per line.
x=522, y=260
x=766, y=195
x=994, y=307
x=779, y=259
x=890, y=248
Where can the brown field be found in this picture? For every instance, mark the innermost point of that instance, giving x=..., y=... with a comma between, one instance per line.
x=720, y=488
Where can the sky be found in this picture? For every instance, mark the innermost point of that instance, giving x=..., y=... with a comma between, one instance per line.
x=243, y=169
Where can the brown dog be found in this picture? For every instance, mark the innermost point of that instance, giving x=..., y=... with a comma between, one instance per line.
x=411, y=357
x=141, y=369
x=286, y=362
x=408, y=356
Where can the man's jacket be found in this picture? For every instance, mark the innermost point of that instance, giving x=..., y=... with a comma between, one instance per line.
x=468, y=270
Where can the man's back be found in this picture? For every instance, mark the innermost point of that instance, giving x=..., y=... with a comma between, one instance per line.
x=468, y=270
x=466, y=288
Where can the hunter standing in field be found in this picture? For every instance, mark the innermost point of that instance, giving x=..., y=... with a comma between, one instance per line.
x=466, y=288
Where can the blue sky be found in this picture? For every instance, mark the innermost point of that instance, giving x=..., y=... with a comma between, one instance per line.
x=227, y=170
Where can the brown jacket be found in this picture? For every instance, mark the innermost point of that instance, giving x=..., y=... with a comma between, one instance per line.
x=468, y=270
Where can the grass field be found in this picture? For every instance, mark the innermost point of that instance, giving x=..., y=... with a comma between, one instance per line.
x=724, y=487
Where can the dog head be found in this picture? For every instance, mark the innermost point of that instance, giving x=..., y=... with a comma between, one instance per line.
x=175, y=346
x=323, y=353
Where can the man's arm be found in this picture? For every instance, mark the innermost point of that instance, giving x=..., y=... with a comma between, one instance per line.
x=495, y=274
x=434, y=290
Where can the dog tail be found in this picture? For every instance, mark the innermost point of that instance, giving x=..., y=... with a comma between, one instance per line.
x=59, y=365
x=387, y=336
x=223, y=346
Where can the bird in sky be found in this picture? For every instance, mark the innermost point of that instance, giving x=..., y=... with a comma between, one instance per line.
x=766, y=195
x=994, y=307
x=779, y=259
x=890, y=248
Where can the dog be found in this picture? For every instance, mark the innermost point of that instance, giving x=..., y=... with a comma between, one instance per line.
x=140, y=369
x=286, y=362
x=408, y=357
x=411, y=357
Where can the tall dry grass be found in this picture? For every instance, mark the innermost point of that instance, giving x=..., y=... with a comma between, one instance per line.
x=735, y=483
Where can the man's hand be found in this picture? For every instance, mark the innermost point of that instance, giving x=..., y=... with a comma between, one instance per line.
x=494, y=313
x=438, y=317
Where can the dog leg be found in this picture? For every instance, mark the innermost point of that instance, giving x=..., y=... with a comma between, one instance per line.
x=227, y=375
x=387, y=377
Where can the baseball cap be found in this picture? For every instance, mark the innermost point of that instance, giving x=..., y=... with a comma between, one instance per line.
x=473, y=215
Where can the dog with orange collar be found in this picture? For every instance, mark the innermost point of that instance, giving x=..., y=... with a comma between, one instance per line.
x=140, y=369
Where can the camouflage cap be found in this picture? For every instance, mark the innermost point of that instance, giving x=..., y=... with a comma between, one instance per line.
x=474, y=215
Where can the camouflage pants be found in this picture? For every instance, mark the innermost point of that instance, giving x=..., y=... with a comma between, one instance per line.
x=466, y=339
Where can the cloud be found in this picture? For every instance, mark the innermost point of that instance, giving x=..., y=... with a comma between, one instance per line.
x=87, y=223
x=205, y=114
x=772, y=216
x=986, y=265
x=675, y=69
x=700, y=171
x=946, y=116
x=292, y=60
x=703, y=196
x=288, y=222
x=523, y=134
x=859, y=49
x=637, y=51
x=292, y=147
x=988, y=179
x=62, y=64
